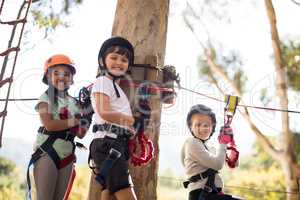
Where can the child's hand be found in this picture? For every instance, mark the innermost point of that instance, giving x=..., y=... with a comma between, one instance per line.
x=81, y=131
x=226, y=135
x=132, y=130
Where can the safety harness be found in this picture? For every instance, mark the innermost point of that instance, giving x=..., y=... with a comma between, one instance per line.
x=121, y=134
x=47, y=147
x=209, y=185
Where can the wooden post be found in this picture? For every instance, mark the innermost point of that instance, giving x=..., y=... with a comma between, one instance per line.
x=144, y=24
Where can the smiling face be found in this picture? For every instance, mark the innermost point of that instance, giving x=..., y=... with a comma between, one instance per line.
x=60, y=77
x=201, y=126
x=116, y=63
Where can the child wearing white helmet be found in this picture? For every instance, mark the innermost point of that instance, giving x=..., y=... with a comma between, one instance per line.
x=62, y=121
x=201, y=161
x=113, y=121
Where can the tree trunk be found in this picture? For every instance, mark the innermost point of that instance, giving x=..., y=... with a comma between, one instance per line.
x=281, y=88
x=144, y=24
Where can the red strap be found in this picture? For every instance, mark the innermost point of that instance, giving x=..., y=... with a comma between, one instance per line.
x=3, y=113
x=233, y=157
x=14, y=22
x=66, y=161
x=146, y=148
x=7, y=51
x=4, y=81
x=70, y=184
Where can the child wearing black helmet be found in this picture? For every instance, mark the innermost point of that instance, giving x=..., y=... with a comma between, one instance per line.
x=201, y=161
x=113, y=121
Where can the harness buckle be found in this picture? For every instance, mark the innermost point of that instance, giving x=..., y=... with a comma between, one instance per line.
x=108, y=127
x=207, y=189
x=200, y=174
x=114, y=154
x=67, y=135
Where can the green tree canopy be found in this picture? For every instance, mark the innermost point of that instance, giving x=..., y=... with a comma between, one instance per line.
x=10, y=184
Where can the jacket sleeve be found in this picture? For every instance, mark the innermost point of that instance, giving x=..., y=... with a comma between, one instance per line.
x=197, y=152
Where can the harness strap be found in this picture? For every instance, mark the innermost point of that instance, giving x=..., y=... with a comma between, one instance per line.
x=119, y=131
x=70, y=184
x=108, y=163
x=63, y=134
x=34, y=157
x=47, y=147
x=209, y=173
x=231, y=104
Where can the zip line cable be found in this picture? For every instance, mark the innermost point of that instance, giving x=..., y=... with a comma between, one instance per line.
x=241, y=105
x=188, y=90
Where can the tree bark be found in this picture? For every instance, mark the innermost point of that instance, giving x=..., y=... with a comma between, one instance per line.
x=144, y=24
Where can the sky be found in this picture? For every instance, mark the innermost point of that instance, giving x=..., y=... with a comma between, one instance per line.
x=91, y=24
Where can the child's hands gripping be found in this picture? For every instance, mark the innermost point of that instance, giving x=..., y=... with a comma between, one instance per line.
x=226, y=135
x=77, y=130
x=232, y=154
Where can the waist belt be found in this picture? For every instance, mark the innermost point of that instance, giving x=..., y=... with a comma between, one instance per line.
x=119, y=131
x=63, y=134
x=209, y=173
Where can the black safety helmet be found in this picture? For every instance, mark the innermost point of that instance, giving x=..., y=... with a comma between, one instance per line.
x=115, y=41
x=203, y=110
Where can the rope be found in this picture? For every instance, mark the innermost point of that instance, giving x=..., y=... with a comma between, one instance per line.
x=186, y=89
x=1, y=7
x=235, y=187
x=14, y=22
x=15, y=59
x=241, y=105
x=295, y=2
x=29, y=99
x=7, y=51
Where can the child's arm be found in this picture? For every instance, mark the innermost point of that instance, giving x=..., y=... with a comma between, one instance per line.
x=104, y=110
x=201, y=155
x=54, y=124
x=84, y=125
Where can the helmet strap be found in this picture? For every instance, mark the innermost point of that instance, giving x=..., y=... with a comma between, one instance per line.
x=115, y=78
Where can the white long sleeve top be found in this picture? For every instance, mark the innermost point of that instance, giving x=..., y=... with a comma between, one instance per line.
x=197, y=157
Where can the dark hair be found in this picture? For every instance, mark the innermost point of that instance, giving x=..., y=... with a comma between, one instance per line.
x=53, y=95
x=119, y=50
x=115, y=49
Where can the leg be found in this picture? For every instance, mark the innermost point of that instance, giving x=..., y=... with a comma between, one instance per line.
x=105, y=195
x=45, y=177
x=95, y=189
x=62, y=181
x=125, y=194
